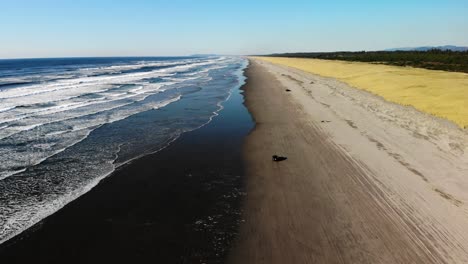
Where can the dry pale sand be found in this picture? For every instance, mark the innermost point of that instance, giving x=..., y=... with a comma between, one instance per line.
x=440, y=93
x=366, y=181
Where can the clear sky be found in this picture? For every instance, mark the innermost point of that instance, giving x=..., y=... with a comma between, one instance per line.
x=61, y=28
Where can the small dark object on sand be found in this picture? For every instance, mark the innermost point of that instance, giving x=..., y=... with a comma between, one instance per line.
x=287, y=90
x=325, y=121
x=278, y=158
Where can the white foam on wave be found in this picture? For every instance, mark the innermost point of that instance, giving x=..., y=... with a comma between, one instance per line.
x=25, y=219
x=62, y=90
x=6, y=109
x=78, y=87
x=28, y=215
x=55, y=112
x=36, y=158
x=15, y=158
x=241, y=81
x=76, y=90
x=109, y=77
x=73, y=84
x=6, y=174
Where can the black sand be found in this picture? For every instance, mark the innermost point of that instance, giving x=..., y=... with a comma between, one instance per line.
x=180, y=205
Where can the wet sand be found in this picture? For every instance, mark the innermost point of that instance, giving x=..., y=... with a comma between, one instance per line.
x=366, y=181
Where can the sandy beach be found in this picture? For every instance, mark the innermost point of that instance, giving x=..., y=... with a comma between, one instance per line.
x=366, y=181
x=439, y=93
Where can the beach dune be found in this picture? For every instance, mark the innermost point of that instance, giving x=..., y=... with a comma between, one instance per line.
x=366, y=181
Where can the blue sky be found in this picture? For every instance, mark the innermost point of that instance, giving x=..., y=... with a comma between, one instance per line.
x=65, y=28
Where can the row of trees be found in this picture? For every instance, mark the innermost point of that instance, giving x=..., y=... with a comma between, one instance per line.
x=432, y=59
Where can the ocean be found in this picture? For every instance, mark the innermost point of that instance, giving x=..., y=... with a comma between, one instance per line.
x=65, y=124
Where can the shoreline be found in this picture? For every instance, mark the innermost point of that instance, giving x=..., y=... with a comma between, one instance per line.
x=359, y=186
x=179, y=204
x=100, y=137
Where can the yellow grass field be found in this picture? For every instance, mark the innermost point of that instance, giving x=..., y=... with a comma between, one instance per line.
x=443, y=94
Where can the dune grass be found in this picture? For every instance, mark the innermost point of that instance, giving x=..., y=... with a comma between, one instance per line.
x=442, y=94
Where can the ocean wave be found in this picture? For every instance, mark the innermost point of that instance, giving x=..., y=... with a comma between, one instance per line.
x=49, y=115
x=60, y=149
x=37, y=105
x=87, y=74
x=56, y=141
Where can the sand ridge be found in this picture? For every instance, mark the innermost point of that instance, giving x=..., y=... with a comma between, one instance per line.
x=366, y=181
x=440, y=93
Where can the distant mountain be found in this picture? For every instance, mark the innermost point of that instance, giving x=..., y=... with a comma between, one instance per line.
x=426, y=48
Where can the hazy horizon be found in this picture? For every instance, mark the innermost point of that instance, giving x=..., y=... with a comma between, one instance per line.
x=57, y=29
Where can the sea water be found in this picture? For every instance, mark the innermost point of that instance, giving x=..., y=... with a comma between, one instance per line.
x=67, y=123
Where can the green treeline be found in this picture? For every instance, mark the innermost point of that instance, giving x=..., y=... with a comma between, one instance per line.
x=434, y=59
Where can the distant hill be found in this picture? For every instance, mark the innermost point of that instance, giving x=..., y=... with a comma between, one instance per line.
x=426, y=48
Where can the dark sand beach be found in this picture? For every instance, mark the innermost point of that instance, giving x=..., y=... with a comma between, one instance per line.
x=346, y=194
x=180, y=205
